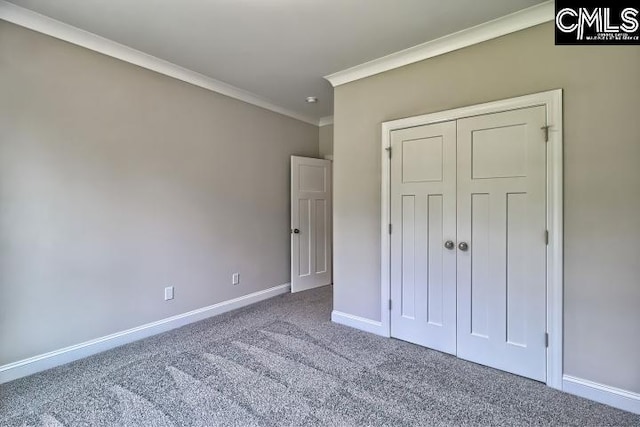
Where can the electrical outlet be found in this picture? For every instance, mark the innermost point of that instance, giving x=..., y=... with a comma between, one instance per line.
x=235, y=278
x=168, y=293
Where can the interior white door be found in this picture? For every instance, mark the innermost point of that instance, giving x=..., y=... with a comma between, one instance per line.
x=501, y=241
x=423, y=217
x=310, y=223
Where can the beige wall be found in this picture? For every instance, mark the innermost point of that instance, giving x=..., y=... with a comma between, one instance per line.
x=602, y=179
x=116, y=182
x=326, y=140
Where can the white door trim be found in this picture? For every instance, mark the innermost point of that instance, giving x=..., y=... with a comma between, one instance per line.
x=552, y=100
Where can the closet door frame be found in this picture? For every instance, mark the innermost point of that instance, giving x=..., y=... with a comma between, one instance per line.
x=552, y=101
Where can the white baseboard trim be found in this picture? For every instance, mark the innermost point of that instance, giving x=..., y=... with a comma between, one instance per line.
x=618, y=398
x=358, y=322
x=65, y=355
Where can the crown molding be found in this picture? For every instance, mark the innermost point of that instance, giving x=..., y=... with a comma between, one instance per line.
x=45, y=25
x=517, y=21
x=324, y=121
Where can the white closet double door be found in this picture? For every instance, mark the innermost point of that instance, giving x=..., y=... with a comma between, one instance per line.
x=468, y=250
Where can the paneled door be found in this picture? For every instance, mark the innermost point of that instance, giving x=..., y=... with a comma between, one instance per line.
x=468, y=250
x=423, y=212
x=310, y=223
x=501, y=241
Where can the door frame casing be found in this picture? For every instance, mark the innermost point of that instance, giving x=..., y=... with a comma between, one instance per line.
x=552, y=100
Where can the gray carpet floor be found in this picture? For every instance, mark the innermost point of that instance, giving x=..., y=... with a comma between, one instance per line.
x=282, y=362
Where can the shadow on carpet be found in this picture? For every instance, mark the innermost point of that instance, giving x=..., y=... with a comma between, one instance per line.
x=281, y=362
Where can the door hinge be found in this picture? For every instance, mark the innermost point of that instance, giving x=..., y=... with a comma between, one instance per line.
x=546, y=132
x=389, y=305
x=546, y=339
x=546, y=237
x=390, y=227
x=389, y=151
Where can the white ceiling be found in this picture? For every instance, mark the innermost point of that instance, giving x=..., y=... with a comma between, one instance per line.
x=277, y=49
